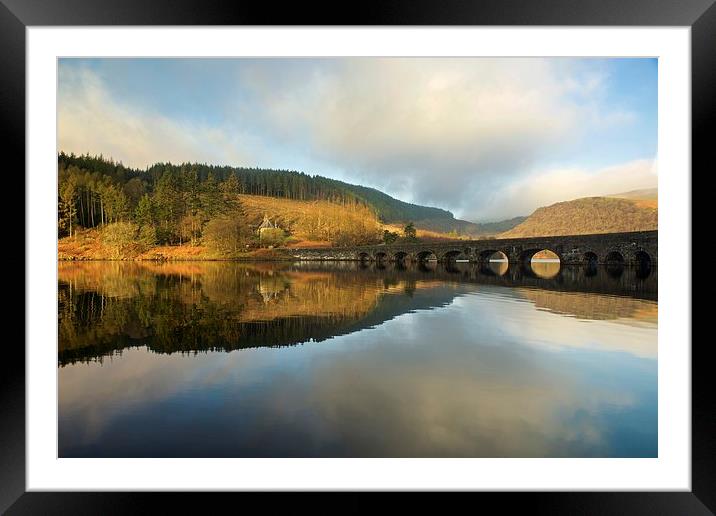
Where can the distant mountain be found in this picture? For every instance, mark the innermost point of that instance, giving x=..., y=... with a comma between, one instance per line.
x=466, y=228
x=395, y=211
x=630, y=211
x=390, y=209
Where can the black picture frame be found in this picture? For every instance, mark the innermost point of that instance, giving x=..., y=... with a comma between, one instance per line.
x=16, y=15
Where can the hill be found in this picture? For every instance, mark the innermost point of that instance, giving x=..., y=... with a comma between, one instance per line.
x=432, y=221
x=313, y=223
x=390, y=209
x=286, y=184
x=316, y=223
x=307, y=224
x=469, y=229
x=589, y=215
x=644, y=194
x=281, y=184
x=646, y=198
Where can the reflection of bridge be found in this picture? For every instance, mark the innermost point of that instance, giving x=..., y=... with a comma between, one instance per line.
x=637, y=248
x=609, y=280
x=221, y=323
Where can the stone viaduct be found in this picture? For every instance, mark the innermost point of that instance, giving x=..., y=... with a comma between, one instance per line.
x=635, y=248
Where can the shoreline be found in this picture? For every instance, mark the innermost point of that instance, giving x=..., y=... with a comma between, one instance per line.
x=241, y=259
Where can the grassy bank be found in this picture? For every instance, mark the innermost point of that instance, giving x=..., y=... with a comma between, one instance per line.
x=87, y=245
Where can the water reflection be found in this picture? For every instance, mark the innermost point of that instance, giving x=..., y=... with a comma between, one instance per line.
x=545, y=269
x=399, y=360
x=494, y=268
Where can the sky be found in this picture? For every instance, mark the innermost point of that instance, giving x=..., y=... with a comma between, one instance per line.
x=486, y=138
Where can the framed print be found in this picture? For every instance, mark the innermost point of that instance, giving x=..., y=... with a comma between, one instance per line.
x=270, y=252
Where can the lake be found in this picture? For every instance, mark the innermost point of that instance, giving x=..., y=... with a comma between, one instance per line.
x=343, y=359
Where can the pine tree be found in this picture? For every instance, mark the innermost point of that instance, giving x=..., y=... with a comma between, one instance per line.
x=409, y=232
x=144, y=212
x=67, y=205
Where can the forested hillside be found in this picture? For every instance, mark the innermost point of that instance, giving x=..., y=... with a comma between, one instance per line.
x=113, y=211
x=120, y=211
x=285, y=184
x=469, y=229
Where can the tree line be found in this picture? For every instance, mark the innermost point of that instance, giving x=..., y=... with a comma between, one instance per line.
x=174, y=204
x=169, y=210
x=287, y=184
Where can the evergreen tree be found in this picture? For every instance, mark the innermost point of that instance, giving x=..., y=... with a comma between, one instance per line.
x=67, y=205
x=144, y=213
x=389, y=237
x=409, y=232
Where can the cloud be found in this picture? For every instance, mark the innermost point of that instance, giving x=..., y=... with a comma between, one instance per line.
x=454, y=133
x=91, y=120
x=544, y=188
x=463, y=134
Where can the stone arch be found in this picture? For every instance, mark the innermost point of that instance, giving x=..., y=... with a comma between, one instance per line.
x=526, y=255
x=642, y=262
x=364, y=257
x=590, y=259
x=451, y=255
x=614, y=258
x=427, y=255
x=381, y=256
x=488, y=268
x=547, y=269
x=484, y=256
x=427, y=266
x=642, y=259
x=400, y=257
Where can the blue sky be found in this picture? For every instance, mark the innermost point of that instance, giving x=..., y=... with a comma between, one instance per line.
x=486, y=138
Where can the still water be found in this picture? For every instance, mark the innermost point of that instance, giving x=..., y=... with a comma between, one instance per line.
x=216, y=359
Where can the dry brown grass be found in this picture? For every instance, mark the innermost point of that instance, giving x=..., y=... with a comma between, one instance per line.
x=87, y=245
x=308, y=244
x=175, y=252
x=84, y=245
x=589, y=215
x=315, y=221
x=293, y=215
x=425, y=235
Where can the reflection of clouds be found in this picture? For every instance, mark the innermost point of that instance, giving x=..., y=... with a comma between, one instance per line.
x=469, y=392
x=484, y=376
x=99, y=391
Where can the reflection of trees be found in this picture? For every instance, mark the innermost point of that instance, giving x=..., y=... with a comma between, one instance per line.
x=104, y=307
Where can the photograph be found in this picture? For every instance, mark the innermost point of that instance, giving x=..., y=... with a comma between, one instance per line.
x=357, y=257
x=410, y=247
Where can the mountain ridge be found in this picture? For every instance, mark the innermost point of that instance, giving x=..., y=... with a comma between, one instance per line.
x=615, y=213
